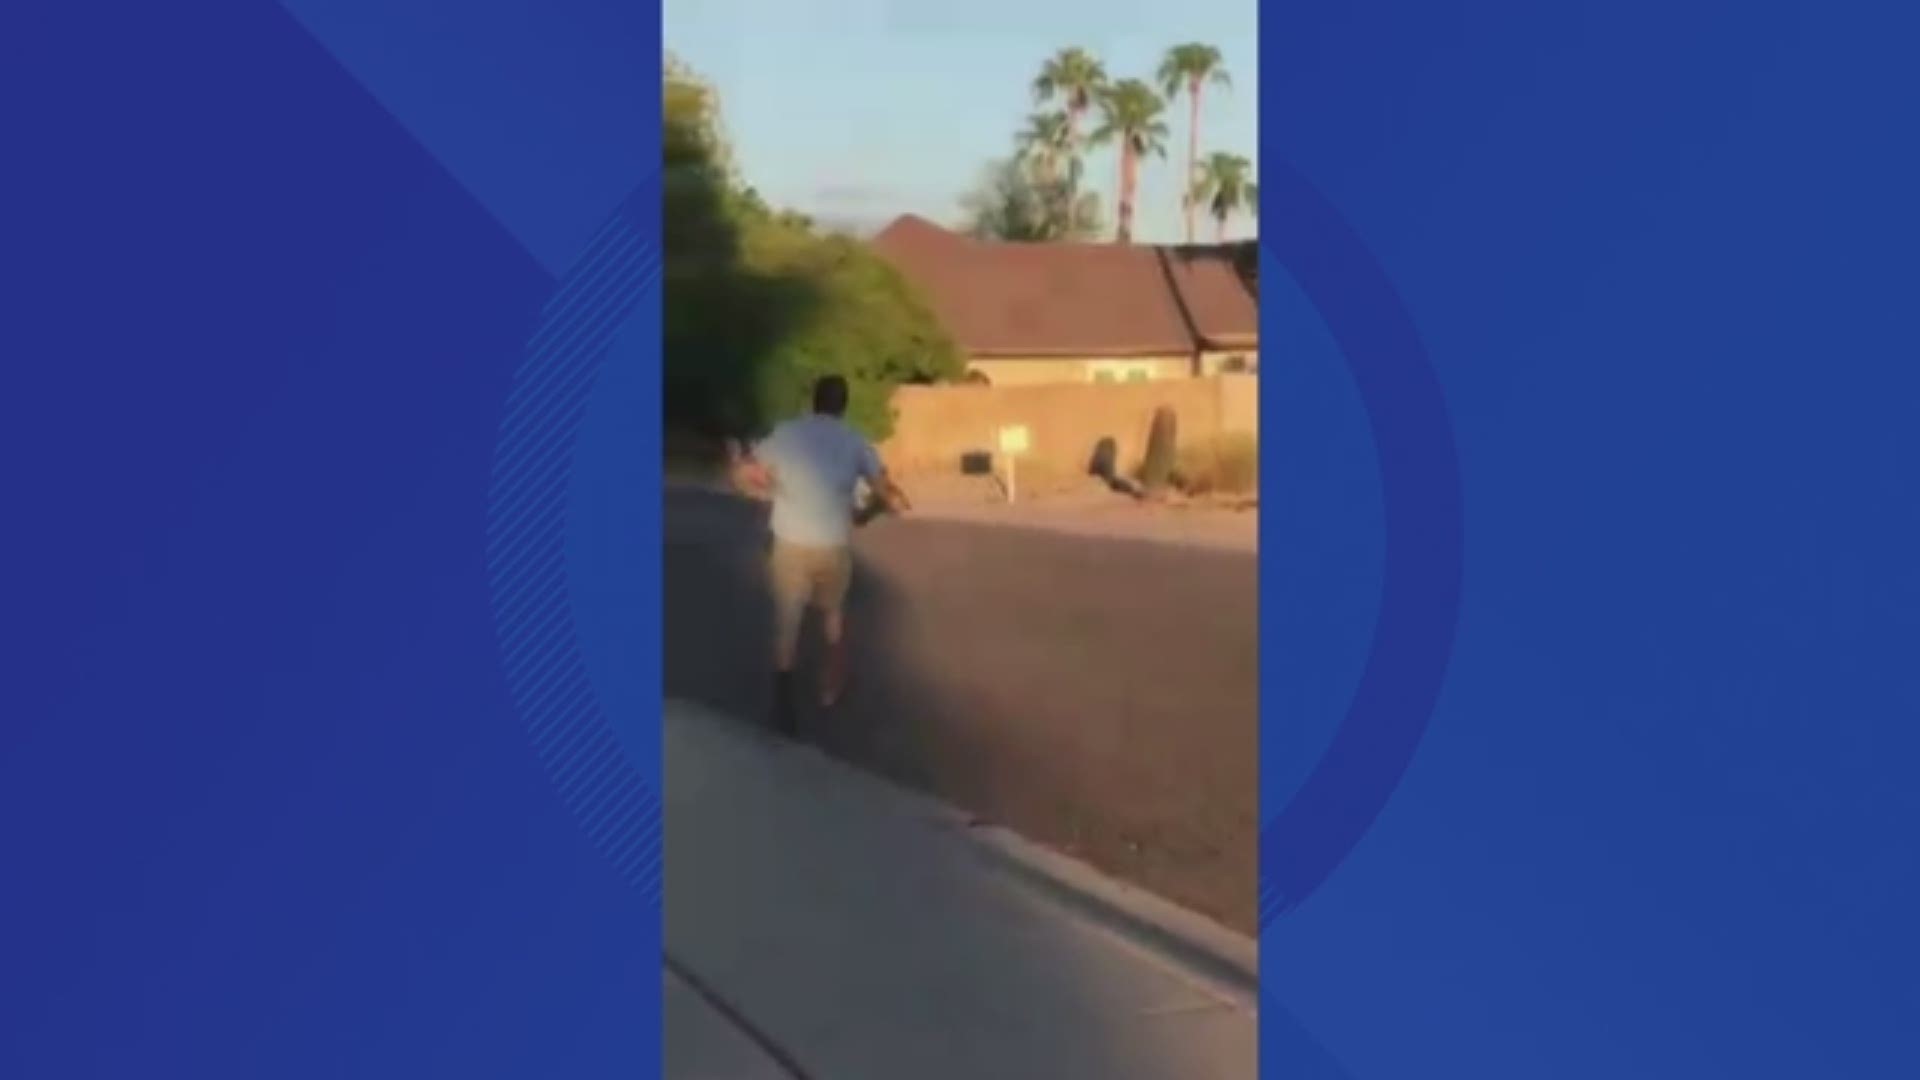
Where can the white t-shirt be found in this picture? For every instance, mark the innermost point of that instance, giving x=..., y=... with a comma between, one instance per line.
x=818, y=462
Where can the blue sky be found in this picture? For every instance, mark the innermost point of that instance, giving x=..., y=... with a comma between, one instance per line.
x=864, y=109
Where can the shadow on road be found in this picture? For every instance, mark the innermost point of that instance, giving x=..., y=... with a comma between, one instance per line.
x=1098, y=696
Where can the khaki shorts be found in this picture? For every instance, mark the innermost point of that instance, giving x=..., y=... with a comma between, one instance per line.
x=803, y=576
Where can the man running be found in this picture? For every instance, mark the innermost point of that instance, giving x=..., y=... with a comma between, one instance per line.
x=811, y=466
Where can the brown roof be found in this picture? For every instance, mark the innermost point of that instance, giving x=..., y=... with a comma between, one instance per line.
x=1218, y=301
x=1072, y=299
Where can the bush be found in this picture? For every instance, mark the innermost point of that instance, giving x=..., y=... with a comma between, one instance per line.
x=1224, y=464
x=862, y=321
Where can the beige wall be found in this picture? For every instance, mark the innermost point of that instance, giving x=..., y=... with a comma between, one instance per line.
x=1044, y=370
x=1240, y=404
x=935, y=425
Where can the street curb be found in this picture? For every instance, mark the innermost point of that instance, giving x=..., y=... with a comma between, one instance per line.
x=1208, y=956
x=1212, y=957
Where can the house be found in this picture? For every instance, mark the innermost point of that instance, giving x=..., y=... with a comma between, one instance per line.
x=1082, y=312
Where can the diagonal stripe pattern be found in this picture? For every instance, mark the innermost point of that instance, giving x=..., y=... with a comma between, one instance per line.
x=526, y=544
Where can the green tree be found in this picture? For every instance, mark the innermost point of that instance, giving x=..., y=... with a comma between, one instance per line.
x=1189, y=69
x=1131, y=118
x=1014, y=203
x=1224, y=184
x=759, y=304
x=865, y=323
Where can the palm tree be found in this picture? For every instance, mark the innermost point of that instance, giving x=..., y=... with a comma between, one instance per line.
x=1130, y=116
x=1224, y=182
x=1075, y=78
x=1046, y=151
x=1047, y=143
x=1190, y=68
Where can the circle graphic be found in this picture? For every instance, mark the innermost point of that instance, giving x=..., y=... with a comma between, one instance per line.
x=526, y=541
x=1406, y=664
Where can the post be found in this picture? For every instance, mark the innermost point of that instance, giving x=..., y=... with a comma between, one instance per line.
x=1013, y=442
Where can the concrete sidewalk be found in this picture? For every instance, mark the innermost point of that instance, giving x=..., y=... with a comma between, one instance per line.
x=825, y=924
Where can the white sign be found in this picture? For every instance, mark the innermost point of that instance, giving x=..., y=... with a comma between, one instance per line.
x=1014, y=440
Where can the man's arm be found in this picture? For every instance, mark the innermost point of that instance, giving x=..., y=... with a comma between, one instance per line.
x=884, y=488
x=892, y=493
x=747, y=473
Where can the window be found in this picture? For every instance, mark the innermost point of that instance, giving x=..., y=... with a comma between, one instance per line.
x=1107, y=371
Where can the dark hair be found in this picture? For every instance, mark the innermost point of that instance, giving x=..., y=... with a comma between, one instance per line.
x=830, y=395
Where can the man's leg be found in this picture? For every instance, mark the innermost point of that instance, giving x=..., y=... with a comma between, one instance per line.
x=830, y=594
x=789, y=579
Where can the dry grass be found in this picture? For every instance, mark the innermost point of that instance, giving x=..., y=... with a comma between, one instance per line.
x=1222, y=465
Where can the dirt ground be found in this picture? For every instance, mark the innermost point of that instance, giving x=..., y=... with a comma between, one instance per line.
x=1090, y=510
x=1095, y=693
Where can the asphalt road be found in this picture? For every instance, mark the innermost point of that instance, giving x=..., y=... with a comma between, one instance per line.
x=1096, y=695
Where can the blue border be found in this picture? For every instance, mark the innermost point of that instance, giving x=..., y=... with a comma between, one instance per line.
x=267, y=805
x=1588, y=727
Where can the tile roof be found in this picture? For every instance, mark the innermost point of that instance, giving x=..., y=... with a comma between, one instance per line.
x=1073, y=298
